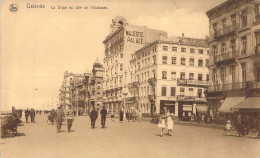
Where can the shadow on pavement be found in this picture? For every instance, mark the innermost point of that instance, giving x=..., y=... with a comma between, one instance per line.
x=12, y=135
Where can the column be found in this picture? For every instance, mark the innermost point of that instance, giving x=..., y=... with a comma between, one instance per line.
x=176, y=109
x=194, y=108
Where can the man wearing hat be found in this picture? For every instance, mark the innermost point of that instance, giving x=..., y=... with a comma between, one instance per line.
x=93, y=117
x=69, y=116
x=103, y=113
x=59, y=117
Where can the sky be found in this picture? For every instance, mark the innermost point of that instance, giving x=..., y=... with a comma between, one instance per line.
x=39, y=44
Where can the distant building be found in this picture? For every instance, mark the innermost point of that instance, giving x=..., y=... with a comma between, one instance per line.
x=169, y=74
x=234, y=66
x=123, y=40
x=65, y=95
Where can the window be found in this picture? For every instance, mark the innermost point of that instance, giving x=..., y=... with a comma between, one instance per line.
x=183, y=60
x=121, y=55
x=200, y=51
x=165, y=48
x=138, y=66
x=183, y=49
x=191, y=76
x=207, y=51
x=172, y=91
x=192, y=50
x=243, y=41
x=174, y=49
x=199, y=93
x=121, y=67
x=164, y=91
x=154, y=59
x=214, y=76
x=191, y=89
x=173, y=75
x=243, y=69
x=200, y=76
x=233, y=45
x=182, y=76
x=200, y=63
x=207, y=62
x=223, y=48
x=244, y=18
x=173, y=60
x=234, y=21
x=223, y=75
x=257, y=11
x=164, y=59
x=207, y=79
x=215, y=28
x=191, y=61
x=224, y=24
x=164, y=74
x=182, y=89
x=214, y=50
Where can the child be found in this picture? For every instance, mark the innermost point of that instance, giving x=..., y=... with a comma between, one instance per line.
x=170, y=124
x=161, y=125
x=228, y=127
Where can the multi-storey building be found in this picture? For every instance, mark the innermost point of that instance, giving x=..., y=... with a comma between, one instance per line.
x=123, y=40
x=169, y=74
x=234, y=63
x=65, y=95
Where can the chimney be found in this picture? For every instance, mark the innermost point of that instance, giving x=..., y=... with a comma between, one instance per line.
x=182, y=34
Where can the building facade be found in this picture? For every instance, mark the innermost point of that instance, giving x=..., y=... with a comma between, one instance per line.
x=234, y=63
x=123, y=40
x=169, y=74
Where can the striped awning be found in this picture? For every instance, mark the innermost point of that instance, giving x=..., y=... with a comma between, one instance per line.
x=229, y=103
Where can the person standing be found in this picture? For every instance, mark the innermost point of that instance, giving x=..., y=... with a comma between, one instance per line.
x=127, y=115
x=52, y=116
x=239, y=125
x=134, y=114
x=27, y=113
x=121, y=115
x=93, y=117
x=228, y=127
x=70, y=117
x=140, y=115
x=32, y=115
x=103, y=114
x=59, y=117
x=170, y=124
x=161, y=125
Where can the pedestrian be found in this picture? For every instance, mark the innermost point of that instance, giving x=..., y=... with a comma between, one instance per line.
x=93, y=117
x=27, y=113
x=59, y=117
x=239, y=125
x=161, y=125
x=258, y=127
x=192, y=118
x=228, y=127
x=202, y=118
x=32, y=115
x=103, y=114
x=134, y=114
x=170, y=124
x=70, y=118
x=127, y=115
x=121, y=115
x=112, y=116
x=52, y=116
x=140, y=115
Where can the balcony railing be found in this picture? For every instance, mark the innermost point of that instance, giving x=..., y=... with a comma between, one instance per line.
x=226, y=30
x=134, y=84
x=225, y=56
x=235, y=86
x=185, y=97
x=131, y=99
x=151, y=80
x=192, y=82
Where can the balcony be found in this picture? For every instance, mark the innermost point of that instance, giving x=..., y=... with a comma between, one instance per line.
x=225, y=56
x=226, y=31
x=257, y=49
x=235, y=86
x=151, y=81
x=134, y=84
x=192, y=82
x=186, y=98
x=131, y=99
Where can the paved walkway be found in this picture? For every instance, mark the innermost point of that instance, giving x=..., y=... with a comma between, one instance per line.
x=125, y=140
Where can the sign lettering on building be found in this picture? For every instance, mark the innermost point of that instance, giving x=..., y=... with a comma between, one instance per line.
x=134, y=37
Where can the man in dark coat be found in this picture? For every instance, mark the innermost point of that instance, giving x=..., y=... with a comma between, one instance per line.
x=121, y=114
x=32, y=115
x=103, y=114
x=52, y=116
x=27, y=113
x=93, y=117
x=59, y=116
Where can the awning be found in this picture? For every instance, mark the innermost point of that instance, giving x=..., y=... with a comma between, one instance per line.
x=249, y=103
x=202, y=109
x=230, y=102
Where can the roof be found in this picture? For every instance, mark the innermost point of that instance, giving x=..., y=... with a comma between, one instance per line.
x=229, y=103
x=249, y=103
x=218, y=6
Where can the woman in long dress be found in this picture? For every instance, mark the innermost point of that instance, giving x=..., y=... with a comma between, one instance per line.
x=170, y=124
x=161, y=125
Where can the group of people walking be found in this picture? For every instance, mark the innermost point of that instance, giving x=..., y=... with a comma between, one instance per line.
x=30, y=113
